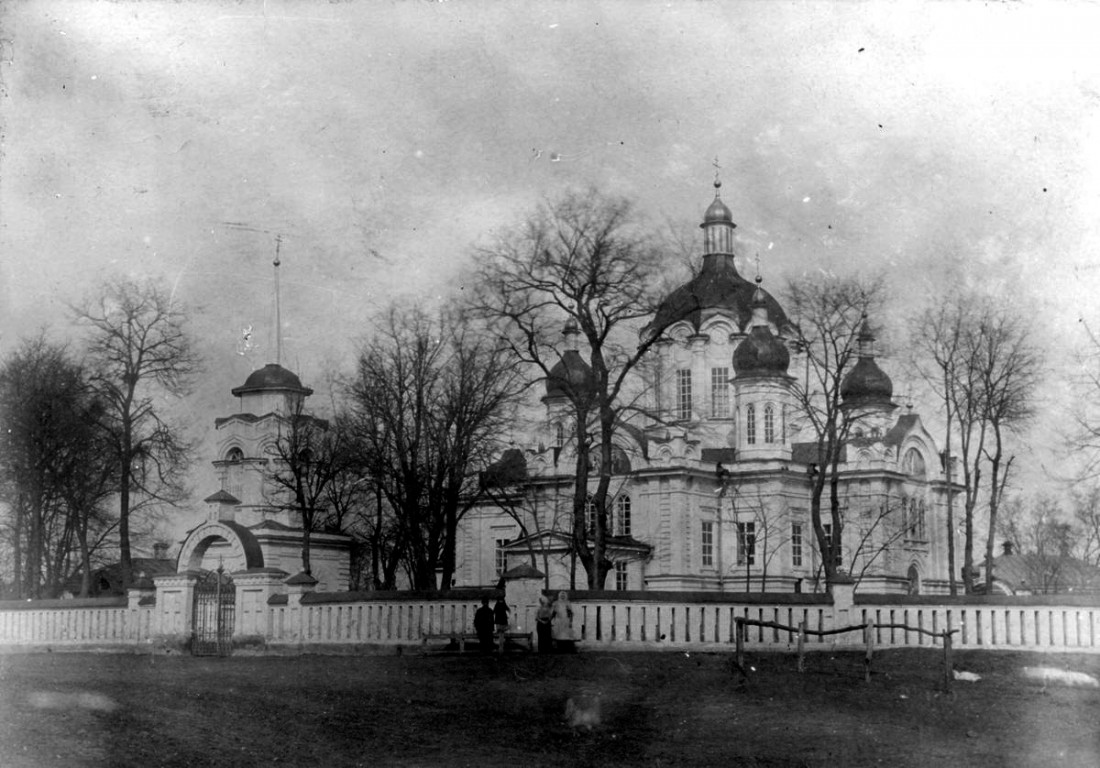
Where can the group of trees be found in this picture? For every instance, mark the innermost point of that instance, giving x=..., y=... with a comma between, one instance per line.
x=86, y=443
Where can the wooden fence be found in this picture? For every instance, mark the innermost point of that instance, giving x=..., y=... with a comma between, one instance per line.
x=641, y=621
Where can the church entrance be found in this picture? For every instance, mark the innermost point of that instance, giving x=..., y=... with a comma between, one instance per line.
x=214, y=608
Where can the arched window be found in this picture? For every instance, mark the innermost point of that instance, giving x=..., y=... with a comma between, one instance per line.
x=234, y=455
x=559, y=435
x=921, y=512
x=622, y=515
x=233, y=477
x=769, y=423
x=750, y=424
x=913, y=463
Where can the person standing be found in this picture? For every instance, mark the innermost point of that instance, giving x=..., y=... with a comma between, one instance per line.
x=543, y=619
x=483, y=626
x=562, y=625
x=500, y=618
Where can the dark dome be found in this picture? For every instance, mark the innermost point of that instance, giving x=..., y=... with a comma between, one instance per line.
x=272, y=378
x=866, y=384
x=571, y=377
x=761, y=354
x=718, y=286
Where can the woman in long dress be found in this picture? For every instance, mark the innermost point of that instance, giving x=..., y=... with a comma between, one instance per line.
x=561, y=626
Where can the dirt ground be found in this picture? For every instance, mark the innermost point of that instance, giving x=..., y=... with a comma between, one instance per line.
x=655, y=709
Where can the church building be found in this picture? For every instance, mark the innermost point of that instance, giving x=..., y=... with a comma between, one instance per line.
x=711, y=488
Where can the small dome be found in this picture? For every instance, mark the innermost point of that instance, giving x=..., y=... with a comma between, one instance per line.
x=717, y=213
x=571, y=377
x=272, y=378
x=866, y=384
x=761, y=354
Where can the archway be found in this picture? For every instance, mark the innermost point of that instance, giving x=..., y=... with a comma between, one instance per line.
x=223, y=544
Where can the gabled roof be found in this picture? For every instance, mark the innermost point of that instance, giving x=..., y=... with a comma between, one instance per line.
x=222, y=497
x=1046, y=573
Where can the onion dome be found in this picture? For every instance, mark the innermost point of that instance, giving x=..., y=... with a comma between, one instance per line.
x=761, y=353
x=718, y=288
x=272, y=378
x=572, y=377
x=866, y=384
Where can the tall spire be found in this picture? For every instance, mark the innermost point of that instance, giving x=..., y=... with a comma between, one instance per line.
x=278, y=314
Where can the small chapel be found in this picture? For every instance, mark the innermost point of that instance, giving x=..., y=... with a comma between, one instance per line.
x=712, y=478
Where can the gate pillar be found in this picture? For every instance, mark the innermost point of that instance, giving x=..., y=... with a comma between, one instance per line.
x=255, y=588
x=175, y=602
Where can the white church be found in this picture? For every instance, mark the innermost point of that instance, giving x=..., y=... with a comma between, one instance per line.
x=712, y=491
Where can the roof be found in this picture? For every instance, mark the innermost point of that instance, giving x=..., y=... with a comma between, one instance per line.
x=222, y=497
x=509, y=469
x=808, y=453
x=108, y=579
x=272, y=378
x=761, y=354
x=718, y=286
x=523, y=571
x=571, y=377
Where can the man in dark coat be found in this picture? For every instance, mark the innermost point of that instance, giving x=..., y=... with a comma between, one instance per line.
x=483, y=625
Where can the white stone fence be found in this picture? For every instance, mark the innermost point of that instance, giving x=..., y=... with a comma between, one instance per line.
x=271, y=615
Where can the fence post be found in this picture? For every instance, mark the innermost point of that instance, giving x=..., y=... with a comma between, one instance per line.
x=801, y=645
x=869, y=631
x=740, y=658
x=947, y=670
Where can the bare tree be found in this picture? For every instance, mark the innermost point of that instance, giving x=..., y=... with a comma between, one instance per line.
x=582, y=261
x=987, y=369
x=54, y=471
x=139, y=351
x=432, y=398
x=308, y=455
x=831, y=315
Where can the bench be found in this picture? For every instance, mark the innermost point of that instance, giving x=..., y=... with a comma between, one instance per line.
x=460, y=639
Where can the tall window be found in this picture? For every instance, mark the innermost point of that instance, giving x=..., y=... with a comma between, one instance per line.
x=750, y=424
x=502, y=558
x=683, y=394
x=769, y=423
x=590, y=509
x=828, y=527
x=621, y=581
x=559, y=435
x=796, y=545
x=708, y=544
x=719, y=393
x=622, y=515
x=746, y=543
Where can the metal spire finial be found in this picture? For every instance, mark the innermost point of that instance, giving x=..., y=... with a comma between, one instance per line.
x=717, y=181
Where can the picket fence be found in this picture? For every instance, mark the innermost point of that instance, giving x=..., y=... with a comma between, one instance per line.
x=341, y=622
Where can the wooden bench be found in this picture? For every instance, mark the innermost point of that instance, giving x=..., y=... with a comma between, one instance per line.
x=460, y=639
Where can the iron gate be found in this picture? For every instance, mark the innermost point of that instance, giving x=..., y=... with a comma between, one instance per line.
x=215, y=606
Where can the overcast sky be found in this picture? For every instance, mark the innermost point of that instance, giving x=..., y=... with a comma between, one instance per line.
x=944, y=142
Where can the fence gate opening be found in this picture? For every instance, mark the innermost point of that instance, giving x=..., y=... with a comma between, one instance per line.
x=215, y=606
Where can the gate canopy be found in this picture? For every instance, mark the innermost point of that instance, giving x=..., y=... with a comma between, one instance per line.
x=241, y=550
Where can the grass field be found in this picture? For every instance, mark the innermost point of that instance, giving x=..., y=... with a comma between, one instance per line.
x=656, y=709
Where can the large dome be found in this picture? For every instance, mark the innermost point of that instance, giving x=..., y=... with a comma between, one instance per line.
x=272, y=378
x=717, y=288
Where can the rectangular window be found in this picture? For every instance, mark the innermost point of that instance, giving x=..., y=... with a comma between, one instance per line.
x=796, y=545
x=828, y=527
x=719, y=393
x=708, y=545
x=746, y=543
x=683, y=394
x=502, y=559
x=621, y=582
